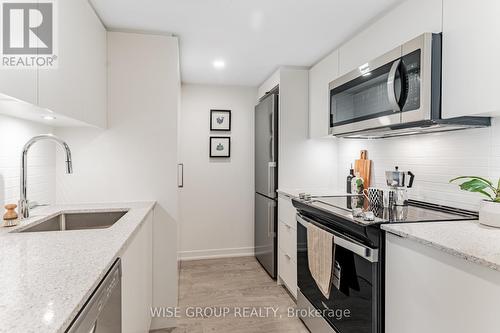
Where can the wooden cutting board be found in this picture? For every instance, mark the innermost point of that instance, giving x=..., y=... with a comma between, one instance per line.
x=364, y=167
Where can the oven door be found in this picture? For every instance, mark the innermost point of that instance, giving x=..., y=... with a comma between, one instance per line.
x=353, y=305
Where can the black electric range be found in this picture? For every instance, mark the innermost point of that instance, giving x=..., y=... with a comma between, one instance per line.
x=337, y=212
x=359, y=255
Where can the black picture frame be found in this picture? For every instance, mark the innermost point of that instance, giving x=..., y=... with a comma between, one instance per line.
x=213, y=138
x=213, y=127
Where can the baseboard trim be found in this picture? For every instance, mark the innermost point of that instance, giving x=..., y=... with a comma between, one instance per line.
x=216, y=253
x=162, y=323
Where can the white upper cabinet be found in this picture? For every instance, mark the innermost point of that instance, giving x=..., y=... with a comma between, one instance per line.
x=405, y=22
x=77, y=88
x=471, y=53
x=18, y=83
x=320, y=76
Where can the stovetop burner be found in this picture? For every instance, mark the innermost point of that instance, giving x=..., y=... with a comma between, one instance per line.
x=416, y=211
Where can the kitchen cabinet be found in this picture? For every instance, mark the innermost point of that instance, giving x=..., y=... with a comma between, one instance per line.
x=428, y=290
x=77, y=88
x=405, y=22
x=287, y=244
x=470, y=58
x=137, y=280
x=320, y=75
x=18, y=83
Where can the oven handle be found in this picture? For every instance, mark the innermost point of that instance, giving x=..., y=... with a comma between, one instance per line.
x=349, y=244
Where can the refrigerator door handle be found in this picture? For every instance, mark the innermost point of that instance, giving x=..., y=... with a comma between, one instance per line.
x=270, y=219
x=272, y=137
x=271, y=148
x=271, y=166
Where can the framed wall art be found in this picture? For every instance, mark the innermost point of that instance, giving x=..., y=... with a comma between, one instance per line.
x=220, y=146
x=220, y=120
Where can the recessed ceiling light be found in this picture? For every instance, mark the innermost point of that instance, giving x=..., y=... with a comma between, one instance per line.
x=47, y=117
x=219, y=64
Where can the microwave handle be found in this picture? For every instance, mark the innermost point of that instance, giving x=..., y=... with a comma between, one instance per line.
x=393, y=100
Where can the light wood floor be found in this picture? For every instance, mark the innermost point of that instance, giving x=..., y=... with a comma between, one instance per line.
x=233, y=283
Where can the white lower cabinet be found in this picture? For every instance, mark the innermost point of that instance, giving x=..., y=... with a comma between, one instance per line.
x=287, y=245
x=428, y=290
x=287, y=268
x=288, y=240
x=137, y=280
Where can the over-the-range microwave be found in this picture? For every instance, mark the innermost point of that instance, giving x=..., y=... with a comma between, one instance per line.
x=399, y=93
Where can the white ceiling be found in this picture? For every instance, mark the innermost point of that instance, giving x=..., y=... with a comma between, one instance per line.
x=253, y=37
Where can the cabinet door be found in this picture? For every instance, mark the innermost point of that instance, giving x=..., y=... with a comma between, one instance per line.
x=320, y=76
x=471, y=51
x=454, y=295
x=137, y=280
x=405, y=22
x=18, y=83
x=77, y=88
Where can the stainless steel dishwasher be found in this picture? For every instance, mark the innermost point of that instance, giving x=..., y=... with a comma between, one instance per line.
x=102, y=313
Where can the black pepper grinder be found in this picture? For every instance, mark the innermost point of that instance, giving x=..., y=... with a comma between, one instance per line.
x=349, y=187
x=349, y=179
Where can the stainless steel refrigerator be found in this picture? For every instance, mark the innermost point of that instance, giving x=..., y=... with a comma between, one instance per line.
x=266, y=182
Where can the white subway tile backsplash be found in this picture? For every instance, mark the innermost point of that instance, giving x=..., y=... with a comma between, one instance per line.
x=434, y=158
x=14, y=133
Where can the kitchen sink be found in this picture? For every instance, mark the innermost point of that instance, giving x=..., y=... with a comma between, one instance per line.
x=77, y=221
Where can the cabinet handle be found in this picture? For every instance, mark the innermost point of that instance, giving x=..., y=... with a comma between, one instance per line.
x=180, y=175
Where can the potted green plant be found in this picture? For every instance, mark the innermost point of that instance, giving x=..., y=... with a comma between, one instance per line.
x=489, y=211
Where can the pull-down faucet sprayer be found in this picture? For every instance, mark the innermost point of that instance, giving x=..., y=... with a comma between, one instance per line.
x=24, y=209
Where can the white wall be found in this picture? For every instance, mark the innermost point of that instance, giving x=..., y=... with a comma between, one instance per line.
x=14, y=133
x=136, y=158
x=216, y=203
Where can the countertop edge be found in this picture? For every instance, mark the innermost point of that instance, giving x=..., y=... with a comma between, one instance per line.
x=149, y=208
x=443, y=248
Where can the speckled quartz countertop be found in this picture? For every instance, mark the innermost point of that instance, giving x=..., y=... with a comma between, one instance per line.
x=45, y=277
x=468, y=240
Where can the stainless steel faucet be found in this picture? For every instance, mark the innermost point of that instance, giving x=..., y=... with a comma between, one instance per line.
x=24, y=208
